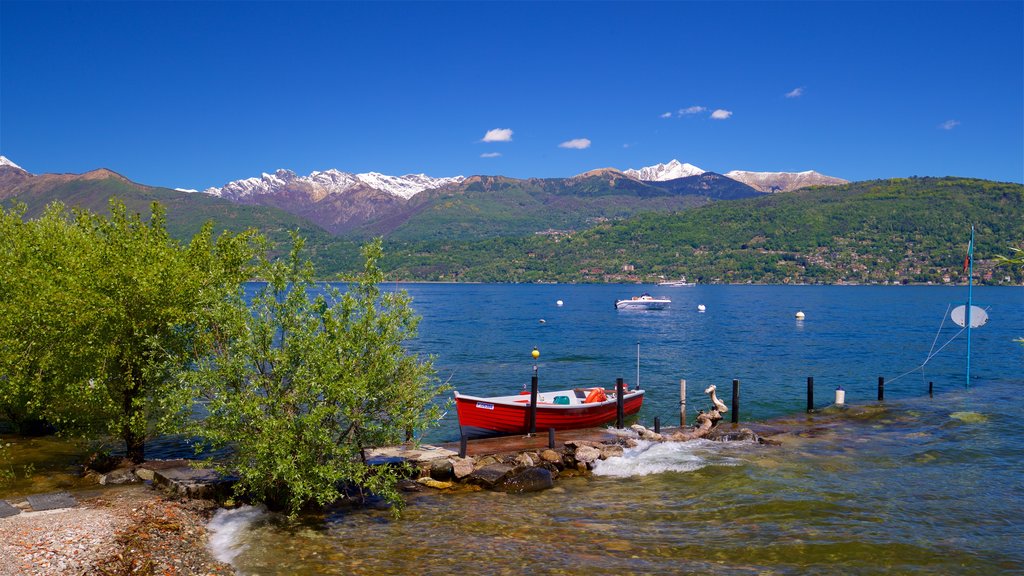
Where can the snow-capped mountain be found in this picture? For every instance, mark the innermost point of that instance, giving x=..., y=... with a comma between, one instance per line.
x=783, y=181
x=662, y=172
x=760, y=181
x=319, y=185
x=4, y=161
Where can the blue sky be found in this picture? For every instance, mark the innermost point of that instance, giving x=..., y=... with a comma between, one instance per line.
x=195, y=94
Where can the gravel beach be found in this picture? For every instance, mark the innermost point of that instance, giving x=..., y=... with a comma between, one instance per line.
x=125, y=530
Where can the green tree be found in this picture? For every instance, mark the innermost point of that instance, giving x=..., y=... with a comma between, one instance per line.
x=304, y=379
x=102, y=307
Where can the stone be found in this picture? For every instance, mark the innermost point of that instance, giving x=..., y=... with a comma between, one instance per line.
x=490, y=475
x=6, y=509
x=524, y=459
x=193, y=482
x=406, y=485
x=144, y=473
x=724, y=435
x=51, y=501
x=530, y=479
x=430, y=482
x=442, y=470
x=121, y=476
x=487, y=461
x=462, y=467
x=611, y=451
x=551, y=456
x=586, y=454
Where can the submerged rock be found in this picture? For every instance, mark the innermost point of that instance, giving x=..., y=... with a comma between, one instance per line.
x=529, y=479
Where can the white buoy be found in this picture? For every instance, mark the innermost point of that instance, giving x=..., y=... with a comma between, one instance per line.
x=701, y=308
x=840, y=396
x=558, y=303
x=799, y=315
x=542, y=321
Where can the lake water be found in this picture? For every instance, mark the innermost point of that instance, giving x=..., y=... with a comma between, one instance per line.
x=916, y=485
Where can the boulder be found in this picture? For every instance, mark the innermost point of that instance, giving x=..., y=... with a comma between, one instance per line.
x=611, y=451
x=462, y=467
x=524, y=459
x=586, y=454
x=489, y=476
x=724, y=435
x=442, y=470
x=528, y=479
x=426, y=481
x=551, y=456
x=487, y=461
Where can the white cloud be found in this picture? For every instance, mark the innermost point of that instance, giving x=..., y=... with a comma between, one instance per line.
x=691, y=110
x=795, y=92
x=666, y=115
x=490, y=154
x=498, y=135
x=576, y=144
x=949, y=124
x=721, y=114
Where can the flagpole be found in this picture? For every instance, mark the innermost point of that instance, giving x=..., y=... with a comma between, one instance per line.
x=970, y=287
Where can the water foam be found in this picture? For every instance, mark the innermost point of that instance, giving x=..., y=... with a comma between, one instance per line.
x=657, y=457
x=226, y=529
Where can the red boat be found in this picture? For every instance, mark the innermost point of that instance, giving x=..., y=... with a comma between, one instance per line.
x=561, y=410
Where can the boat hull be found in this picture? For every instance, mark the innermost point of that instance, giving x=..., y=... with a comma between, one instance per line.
x=484, y=417
x=642, y=304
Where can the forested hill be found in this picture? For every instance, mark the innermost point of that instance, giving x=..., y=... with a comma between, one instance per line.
x=899, y=230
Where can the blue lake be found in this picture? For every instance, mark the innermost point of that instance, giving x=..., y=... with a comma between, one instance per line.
x=482, y=335
x=914, y=485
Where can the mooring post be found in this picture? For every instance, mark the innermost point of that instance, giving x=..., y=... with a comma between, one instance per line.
x=620, y=407
x=533, y=402
x=735, y=401
x=881, y=388
x=929, y=389
x=810, y=393
x=551, y=438
x=682, y=403
x=462, y=446
x=657, y=425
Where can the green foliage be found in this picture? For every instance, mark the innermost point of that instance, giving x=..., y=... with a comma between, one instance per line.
x=95, y=308
x=301, y=382
x=902, y=230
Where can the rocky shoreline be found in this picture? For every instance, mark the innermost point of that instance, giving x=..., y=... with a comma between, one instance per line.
x=130, y=529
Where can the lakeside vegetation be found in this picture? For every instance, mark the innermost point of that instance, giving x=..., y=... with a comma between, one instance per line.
x=109, y=327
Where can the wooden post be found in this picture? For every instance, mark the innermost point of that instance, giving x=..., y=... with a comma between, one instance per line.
x=657, y=425
x=735, y=401
x=620, y=408
x=881, y=388
x=810, y=393
x=462, y=446
x=533, y=403
x=929, y=389
x=682, y=403
x=551, y=438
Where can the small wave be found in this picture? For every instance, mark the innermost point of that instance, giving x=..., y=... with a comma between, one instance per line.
x=226, y=529
x=654, y=458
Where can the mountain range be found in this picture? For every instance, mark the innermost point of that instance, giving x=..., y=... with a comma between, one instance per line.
x=416, y=206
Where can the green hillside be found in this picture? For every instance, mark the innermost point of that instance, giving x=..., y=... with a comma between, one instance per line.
x=496, y=206
x=902, y=230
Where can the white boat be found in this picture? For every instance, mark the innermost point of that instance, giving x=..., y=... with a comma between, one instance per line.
x=681, y=283
x=643, y=302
